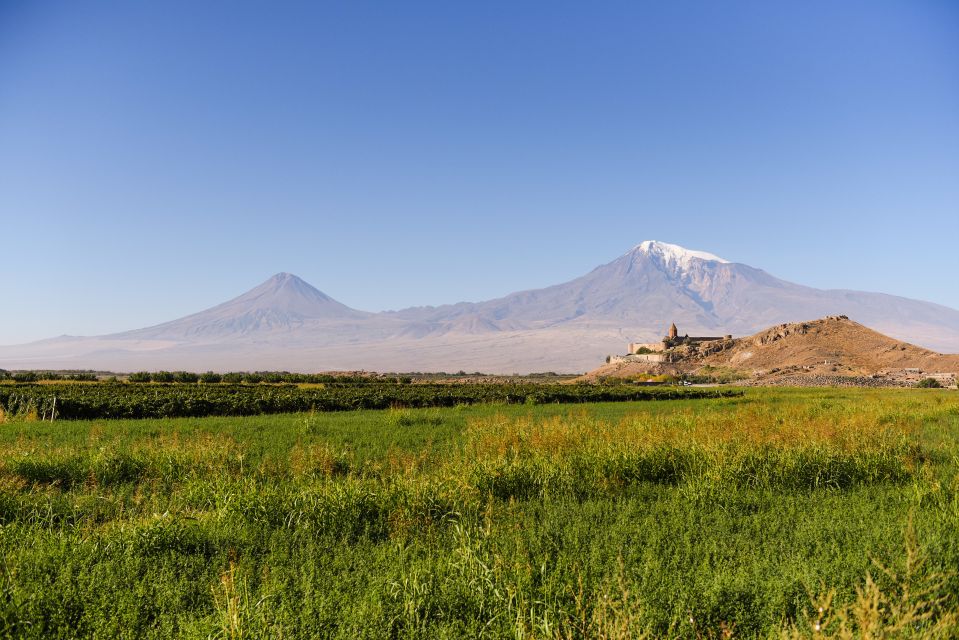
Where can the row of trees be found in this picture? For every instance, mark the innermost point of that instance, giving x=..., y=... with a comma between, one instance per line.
x=210, y=377
x=269, y=377
x=37, y=376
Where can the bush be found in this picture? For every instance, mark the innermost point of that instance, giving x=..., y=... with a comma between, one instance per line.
x=82, y=377
x=929, y=383
x=186, y=377
x=162, y=376
x=140, y=376
x=210, y=378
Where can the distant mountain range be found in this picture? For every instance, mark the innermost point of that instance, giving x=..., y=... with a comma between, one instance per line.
x=285, y=323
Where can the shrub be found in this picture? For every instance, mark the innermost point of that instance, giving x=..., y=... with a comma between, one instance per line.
x=140, y=376
x=210, y=377
x=929, y=383
x=82, y=377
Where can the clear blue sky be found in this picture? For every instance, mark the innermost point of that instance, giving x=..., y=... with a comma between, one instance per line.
x=159, y=157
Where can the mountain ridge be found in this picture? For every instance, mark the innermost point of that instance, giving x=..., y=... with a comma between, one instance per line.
x=287, y=323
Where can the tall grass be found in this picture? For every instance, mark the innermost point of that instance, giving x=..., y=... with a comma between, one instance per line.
x=735, y=518
x=748, y=446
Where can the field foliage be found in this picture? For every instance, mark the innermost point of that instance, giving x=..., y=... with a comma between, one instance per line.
x=119, y=400
x=780, y=513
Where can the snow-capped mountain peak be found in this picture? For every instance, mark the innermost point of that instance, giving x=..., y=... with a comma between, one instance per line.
x=675, y=255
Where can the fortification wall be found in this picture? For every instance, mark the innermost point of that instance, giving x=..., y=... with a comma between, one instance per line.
x=652, y=346
x=640, y=357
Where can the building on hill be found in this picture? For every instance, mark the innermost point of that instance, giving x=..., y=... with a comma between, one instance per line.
x=670, y=340
x=673, y=339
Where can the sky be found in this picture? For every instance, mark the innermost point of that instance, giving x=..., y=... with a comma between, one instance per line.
x=157, y=158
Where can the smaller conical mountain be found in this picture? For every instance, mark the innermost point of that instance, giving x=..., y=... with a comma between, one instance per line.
x=281, y=304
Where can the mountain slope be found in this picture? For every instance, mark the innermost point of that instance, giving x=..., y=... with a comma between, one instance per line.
x=656, y=283
x=284, y=303
x=829, y=342
x=827, y=347
x=285, y=323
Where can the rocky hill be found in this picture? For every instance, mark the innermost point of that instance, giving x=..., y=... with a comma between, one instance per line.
x=823, y=350
x=831, y=341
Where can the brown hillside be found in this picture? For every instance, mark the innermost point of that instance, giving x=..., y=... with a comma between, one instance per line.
x=831, y=347
x=832, y=341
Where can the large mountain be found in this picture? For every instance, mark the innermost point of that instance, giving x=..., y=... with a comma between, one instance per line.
x=287, y=324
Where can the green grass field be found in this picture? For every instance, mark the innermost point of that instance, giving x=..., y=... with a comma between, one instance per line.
x=732, y=517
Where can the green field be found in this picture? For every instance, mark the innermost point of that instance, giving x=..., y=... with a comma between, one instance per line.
x=192, y=400
x=689, y=518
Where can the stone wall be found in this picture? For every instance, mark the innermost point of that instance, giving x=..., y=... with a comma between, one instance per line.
x=640, y=357
x=652, y=346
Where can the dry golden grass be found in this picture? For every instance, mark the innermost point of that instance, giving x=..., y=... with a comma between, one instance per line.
x=809, y=446
x=844, y=428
